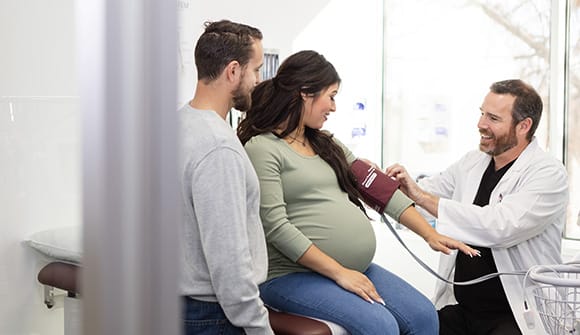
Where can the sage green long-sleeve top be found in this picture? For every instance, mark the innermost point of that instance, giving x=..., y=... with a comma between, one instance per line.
x=301, y=203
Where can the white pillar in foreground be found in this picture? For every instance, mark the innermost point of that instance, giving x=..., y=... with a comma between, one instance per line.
x=127, y=67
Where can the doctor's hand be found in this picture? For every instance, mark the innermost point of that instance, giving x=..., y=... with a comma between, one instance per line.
x=428, y=201
x=408, y=184
x=445, y=244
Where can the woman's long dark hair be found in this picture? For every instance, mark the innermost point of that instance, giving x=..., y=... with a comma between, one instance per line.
x=279, y=100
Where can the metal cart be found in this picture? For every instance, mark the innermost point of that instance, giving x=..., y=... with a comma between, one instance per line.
x=556, y=293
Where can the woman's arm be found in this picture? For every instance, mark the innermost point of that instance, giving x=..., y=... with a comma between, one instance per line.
x=269, y=164
x=400, y=207
x=411, y=219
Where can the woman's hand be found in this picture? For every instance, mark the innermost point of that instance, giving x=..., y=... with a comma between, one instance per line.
x=358, y=284
x=411, y=219
x=445, y=244
x=350, y=280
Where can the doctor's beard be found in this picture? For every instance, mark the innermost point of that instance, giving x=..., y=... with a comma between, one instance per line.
x=501, y=143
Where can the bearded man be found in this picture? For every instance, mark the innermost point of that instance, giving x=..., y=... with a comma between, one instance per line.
x=508, y=200
x=223, y=248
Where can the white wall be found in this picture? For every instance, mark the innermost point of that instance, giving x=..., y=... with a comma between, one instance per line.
x=39, y=144
x=347, y=33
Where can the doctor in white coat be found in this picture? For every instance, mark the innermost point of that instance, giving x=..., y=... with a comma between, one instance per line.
x=509, y=200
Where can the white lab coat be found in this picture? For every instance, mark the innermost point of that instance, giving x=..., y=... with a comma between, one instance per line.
x=522, y=224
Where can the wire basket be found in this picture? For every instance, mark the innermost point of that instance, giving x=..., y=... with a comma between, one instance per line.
x=556, y=292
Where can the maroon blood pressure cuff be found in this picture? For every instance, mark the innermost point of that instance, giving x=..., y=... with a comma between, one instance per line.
x=375, y=187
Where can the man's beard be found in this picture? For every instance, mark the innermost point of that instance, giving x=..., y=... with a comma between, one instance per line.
x=242, y=98
x=503, y=143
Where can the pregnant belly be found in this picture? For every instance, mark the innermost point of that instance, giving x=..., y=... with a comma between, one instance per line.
x=348, y=237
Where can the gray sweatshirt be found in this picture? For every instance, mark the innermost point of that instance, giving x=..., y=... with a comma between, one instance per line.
x=222, y=246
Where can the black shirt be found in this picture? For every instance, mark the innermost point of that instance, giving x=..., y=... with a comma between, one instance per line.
x=488, y=296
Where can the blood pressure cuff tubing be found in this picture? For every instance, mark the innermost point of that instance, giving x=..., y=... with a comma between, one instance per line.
x=375, y=187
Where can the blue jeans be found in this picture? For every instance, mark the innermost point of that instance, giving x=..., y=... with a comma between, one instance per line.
x=407, y=311
x=206, y=318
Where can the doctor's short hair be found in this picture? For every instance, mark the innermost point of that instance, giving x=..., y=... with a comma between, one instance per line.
x=527, y=103
x=221, y=43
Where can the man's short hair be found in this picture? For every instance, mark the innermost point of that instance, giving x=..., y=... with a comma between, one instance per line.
x=527, y=103
x=221, y=43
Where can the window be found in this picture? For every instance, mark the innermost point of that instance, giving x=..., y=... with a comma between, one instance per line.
x=271, y=63
x=439, y=64
x=440, y=58
x=572, y=141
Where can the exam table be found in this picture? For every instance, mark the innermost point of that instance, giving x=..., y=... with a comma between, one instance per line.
x=61, y=248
